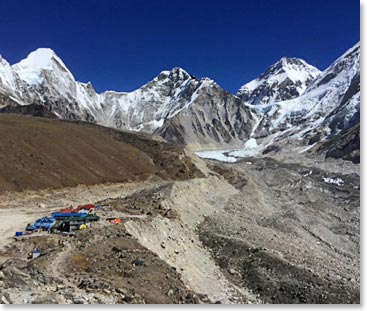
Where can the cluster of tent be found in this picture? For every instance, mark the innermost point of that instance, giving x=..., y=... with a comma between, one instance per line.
x=66, y=220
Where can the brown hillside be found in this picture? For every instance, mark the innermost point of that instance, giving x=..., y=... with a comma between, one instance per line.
x=38, y=153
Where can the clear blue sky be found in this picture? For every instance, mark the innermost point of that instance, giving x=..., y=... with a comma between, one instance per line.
x=122, y=44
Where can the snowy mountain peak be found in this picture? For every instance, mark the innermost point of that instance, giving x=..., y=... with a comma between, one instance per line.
x=292, y=60
x=286, y=79
x=178, y=73
x=39, y=58
x=330, y=105
x=30, y=69
x=292, y=66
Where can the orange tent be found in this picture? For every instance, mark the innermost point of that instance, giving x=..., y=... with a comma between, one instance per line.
x=115, y=221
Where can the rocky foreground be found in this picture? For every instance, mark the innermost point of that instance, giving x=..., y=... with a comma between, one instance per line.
x=256, y=231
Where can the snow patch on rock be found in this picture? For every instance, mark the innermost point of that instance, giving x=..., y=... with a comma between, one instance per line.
x=334, y=181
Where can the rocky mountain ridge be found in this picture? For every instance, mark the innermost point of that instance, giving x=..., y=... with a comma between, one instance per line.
x=43, y=80
x=290, y=99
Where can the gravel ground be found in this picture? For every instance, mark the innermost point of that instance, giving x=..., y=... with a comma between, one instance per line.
x=257, y=231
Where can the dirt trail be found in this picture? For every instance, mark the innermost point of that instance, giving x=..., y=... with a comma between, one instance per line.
x=57, y=263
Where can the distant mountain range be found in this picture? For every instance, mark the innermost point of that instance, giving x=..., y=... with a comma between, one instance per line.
x=292, y=100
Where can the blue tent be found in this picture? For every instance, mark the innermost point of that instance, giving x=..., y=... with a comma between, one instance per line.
x=42, y=223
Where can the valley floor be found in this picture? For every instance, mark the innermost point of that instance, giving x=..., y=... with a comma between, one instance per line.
x=255, y=231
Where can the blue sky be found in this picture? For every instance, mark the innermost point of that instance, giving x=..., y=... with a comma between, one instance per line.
x=122, y=44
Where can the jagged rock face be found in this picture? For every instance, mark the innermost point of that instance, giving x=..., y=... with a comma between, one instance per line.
x=340, y=92
x=32, y=110
x=345, y=145
x=12, y=86
x=8, y=78
x=146, y=108
x=286, y=79
x=347, y=114
x=214, y=118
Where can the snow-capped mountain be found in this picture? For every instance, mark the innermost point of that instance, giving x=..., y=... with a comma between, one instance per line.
x=329, y=105
x=182, y=109
x=291, y=101
x=146, y=108
x=286, y=79
x=36, y=69
x=43, y=80
x=324, y=119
